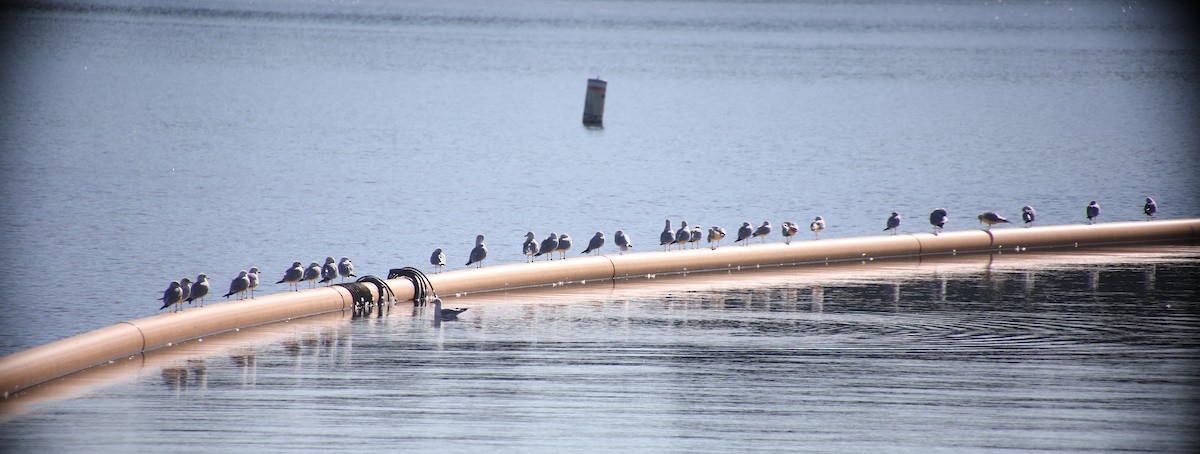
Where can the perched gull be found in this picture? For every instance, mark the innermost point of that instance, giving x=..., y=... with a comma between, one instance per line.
x=991, y=218
x=253, y=276
x=789, y=230
x=345, y=268
x=595, y=244
x=329, y=270
x=938, y=220
x=715, y=235
x=744, y=233
x=530, y=248
x=312, y=273
x=241, y=283
x=549, y=245
x=667, y=236
x=695, y=236
x=186, y=286
x=445, y=315
x=1150, y=208
x=172, y=296
x=292, y=276
x=817, y=226
x=893, y=223
x=199, y=289
x=564, y=243
x=478, y=253
x=683, y=235
x=438, y=260
x=1093, y=212
x=622, y=241
x=1028, y=215
x=763, y=230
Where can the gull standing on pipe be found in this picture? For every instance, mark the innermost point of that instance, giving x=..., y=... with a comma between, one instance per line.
x=744, y=233
x=893, y=223
x=252, y=275
x=530, y=248
x=239, y=285
x=622, y=241
x=991, y=218
x=683, y=235
x=763, y=230
x=1093, y=212
x=345, y=268
x=564, y=243
x=478, y=253
x=172, y=296
x=595, y=244
x=696, y=235
x=329, y=270
x=312, y=273
x=292, y=276
x=199, y=289
x=938, y=219
x=667, y=236
x=1150, y=208
x=1028, y=215
x=789, y=230
x=438, y=260
x=186, y=286
x=817, y=226
x=715, y=234
x=549, y=245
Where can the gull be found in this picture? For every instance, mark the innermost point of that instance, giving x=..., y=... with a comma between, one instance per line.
x=252, y=275
x=763, y=230
x=564, y=243
x=893, y=223
x=789, y=230
x=292, y=276
x=938, y=220
x=1028, y=215
x=312, y=273
x=1093, y=212
x=199, y=289
x=549, y=245
x=991, y=218
x=683, y=235
x=744, y=233
x=345, y=268
x=438, y=260
x=1150, y=208
x=329, y=270
x=241, y=283
x=186, y=285
x=817, y=226
x=530, y=248
x=172, y=296
x=622, y=241
x=595, y=243
x=695, y=236
x=715, y=234
x=445, y=315
x=667, y=236
x=478, y=253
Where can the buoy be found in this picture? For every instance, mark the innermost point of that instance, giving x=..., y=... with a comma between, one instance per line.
x=593, y=103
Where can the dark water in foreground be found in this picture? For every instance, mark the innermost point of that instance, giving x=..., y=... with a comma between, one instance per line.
x=1084, y=351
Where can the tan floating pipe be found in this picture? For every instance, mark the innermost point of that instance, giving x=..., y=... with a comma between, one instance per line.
x=30, y=367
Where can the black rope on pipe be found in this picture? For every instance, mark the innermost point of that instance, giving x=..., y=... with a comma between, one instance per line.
x=422, y=289
x=385, y=294
x=360, y=295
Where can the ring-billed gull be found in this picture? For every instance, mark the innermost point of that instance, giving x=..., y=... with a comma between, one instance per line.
x=595, y=244
x=817, y=226
x=312, y=273
x=991, y=218
x=1150, y=208
x=667, y=236
x=549, y=245
x=763, y=230
x=694, y=237
x=937, y=219
x=444, y=315
x=438, y=260
x=530, y=248
x=715, y=235
x=292, y=276
x=252, y=275
x=893, y=223
x=1093, y=212
x=329, y=270
x=171, y=296
x=240, y=284
x=788, y=230
x=744, y=233
x=683, y=235
x=622, y=241
x=478, y=253
x=1028, y=215
x=199, y=289
x=345, y=268
x=185, y=285
x=564, y=243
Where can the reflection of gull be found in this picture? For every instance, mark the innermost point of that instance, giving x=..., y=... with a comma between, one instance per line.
x=292, y=276
x=172, y=296
x=893, y=223
x=788, y=230
x=329, y=270
x=991, y=218
x=763, y=230
x=715, y=235
x=564, y=243
x=1093, y=212
x=239, y=284
x=595, y=244
x=345, y=268
x=1028, y=215
x=549, y=245
x=622, y=241
x=252, y=275
x=744, y=233
x=667, y=236
x=695, y=236
x=938, y=219
x=478, y=253
x=817, y=225
x=312, y=273
x=1150, y=208
x=530, y=248
x=199, y=289
x=683, y=235
x=438, y=260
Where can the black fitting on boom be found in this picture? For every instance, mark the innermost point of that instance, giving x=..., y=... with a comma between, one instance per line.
x=422, y=289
